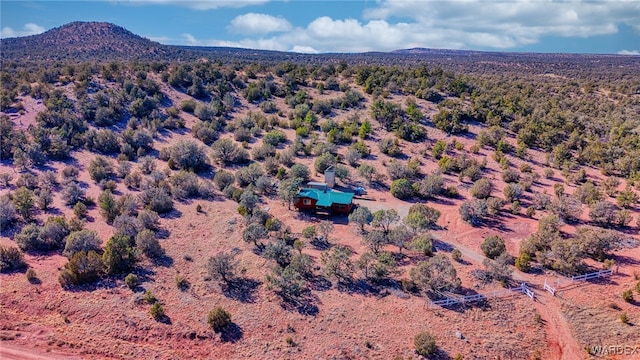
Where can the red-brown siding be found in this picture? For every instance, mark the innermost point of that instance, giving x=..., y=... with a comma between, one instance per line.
x=341, y=209
x=300, y=203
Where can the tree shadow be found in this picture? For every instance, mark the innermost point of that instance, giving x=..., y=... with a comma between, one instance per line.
x=443, y=200
x=207, y=172
x=460, y=308
x=360, y=287
x=410, y=258
x=138, y=289
x=605, y=280
x=173, y=214
x=494, y=224
x=164, y=261
x=54, y=211
x=320, y=283
x=439, y=245
x=11, y=230
x=626, y=260
x=439, y=354
x=304, y=305
x=536, y=269
x=105, y=283
x=380, y=186
x=308, y=308
x=144, y=274
x=35, y=281
x=321, y=244
x=631, y=231
x=162, y=233
x=232, y=333
x=258, y=249
x=305, y=216
x=165, y=319
x=241, y=289
x=83, y=185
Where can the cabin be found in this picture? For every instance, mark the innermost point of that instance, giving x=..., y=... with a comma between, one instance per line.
x=324, y=200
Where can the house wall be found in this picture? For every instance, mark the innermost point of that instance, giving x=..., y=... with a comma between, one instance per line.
x=310, y=203
x=341, y=209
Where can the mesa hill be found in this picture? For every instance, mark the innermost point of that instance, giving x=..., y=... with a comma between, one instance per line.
x=84, y=41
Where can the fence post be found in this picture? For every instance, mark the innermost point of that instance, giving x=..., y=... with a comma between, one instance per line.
x=549, y=288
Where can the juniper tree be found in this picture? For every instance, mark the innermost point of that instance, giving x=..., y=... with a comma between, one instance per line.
x=108, y=206
x=23, y=202
x=361, y=216
x=119, y=256
x=337, y=263
x=383, y=219
x=222, y=267
x=288, y=190
x=436, y=274
x=253, y=233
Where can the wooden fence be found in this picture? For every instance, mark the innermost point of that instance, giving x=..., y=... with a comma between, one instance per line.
x=482, y=297
x=549, y=288
x=584, y=277
x=592, y=275
x=528, y=292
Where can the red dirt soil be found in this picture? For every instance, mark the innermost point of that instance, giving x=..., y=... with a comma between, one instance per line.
x=110, y=321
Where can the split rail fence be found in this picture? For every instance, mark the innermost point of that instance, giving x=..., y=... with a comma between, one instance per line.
x=592, y=275
x=523, y=288
x=584, y=277
x=482, y=297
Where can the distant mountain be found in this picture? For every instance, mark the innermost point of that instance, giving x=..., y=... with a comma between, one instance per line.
x=424, y=51
x=104, y=42
x=85, y=41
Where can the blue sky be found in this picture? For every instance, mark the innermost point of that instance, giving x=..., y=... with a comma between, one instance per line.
x=577, y=26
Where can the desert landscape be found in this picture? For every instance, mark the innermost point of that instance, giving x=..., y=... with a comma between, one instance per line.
x=150, y=194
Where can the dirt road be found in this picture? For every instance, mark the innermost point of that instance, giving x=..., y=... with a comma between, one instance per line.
x=12, y=351
x=563, y=345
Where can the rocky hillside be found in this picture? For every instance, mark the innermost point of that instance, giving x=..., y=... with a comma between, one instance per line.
x=85, y=41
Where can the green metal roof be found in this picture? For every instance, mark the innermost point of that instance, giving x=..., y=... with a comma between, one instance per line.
x=327, y=198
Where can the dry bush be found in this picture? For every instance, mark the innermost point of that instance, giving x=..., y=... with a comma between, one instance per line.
x=493, y=246
x=11, y=259
x=83, y=267
x=148, y=244
x=218, y=319
x=425, y=343
x=188, y=155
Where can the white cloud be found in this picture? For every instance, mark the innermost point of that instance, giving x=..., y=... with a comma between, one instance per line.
x=515, y=23
x=263, y=44
x=628, y=52
x=253, y=23
x=304, y=49
x=196, y=4
x=328, y=35
x=456, y=24
x=160, y=39
x=191, y=40
x=27, y=29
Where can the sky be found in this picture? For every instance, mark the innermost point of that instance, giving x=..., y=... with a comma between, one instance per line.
x=559, y=26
